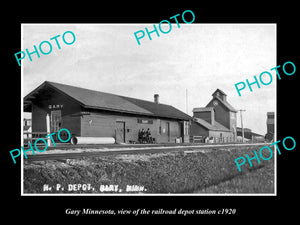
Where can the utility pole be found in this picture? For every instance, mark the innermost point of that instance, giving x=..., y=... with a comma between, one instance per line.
x=186, y=100
x=242, y=110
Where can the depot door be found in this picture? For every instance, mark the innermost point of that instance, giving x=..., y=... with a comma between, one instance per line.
x=55, y=122
x=120, y=132
x=168, y=131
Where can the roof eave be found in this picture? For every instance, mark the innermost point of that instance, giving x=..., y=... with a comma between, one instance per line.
x=135, y=113
x=46, y=83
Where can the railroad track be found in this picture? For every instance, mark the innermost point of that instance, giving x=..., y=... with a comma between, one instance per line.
x=67, y=154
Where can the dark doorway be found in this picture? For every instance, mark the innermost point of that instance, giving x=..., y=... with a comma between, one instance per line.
x=120, y=132
x=168, y=131
x=55, y=122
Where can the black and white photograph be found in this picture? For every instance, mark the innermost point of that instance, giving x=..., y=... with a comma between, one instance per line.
x=149, y=109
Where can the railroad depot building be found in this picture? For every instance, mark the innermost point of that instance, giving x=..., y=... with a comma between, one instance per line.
x=217, y=120
x=89, y=113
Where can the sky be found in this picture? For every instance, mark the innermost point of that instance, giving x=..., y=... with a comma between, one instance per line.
x=188, y=63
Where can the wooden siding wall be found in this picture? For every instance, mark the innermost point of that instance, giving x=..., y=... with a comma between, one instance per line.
x=38, y=119
x=222, y=114
x=72, y=123
x=98, y=125
x=270, y=128
x=175, y=131
x=70, y=113
x=207, y=116
x=103, y=125
x=198, y=130
x=233, y=121
x=218, y=134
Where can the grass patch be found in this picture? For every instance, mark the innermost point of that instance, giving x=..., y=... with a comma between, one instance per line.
x=260, y=180
x=174, y=172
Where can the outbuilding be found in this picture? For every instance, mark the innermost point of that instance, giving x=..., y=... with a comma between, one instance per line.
x=216, y=121
x=89, y=113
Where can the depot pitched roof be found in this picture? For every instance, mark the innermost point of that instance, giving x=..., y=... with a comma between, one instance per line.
x=110, y=102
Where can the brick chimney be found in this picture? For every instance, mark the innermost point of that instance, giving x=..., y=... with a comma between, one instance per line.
x=156, y=98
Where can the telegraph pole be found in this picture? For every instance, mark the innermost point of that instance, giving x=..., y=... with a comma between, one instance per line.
x=186, y=100
x=242, y=110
